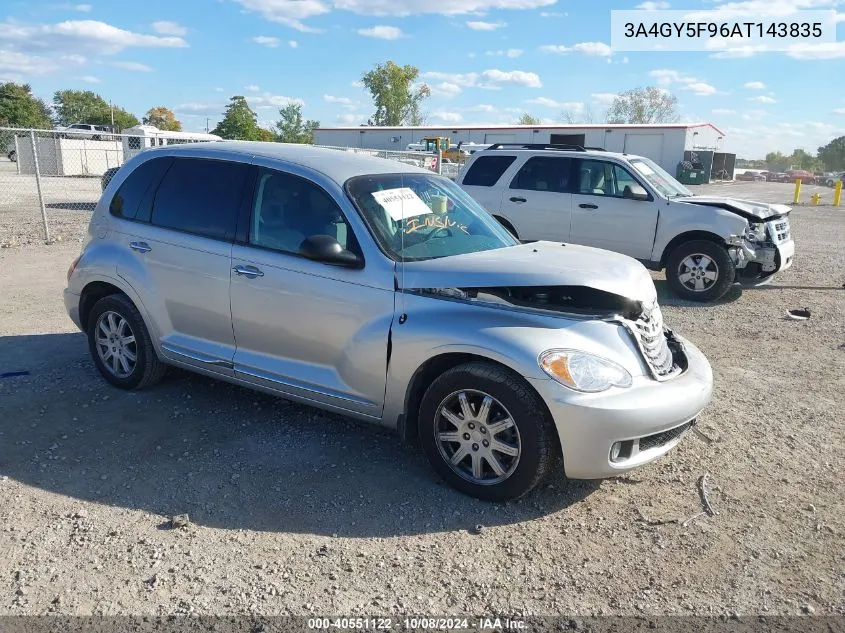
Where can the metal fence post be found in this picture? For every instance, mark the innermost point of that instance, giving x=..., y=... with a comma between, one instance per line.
x=38, y=185
x=439, y=162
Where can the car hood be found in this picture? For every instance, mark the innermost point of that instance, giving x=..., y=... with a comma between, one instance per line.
x=535, y=264
x=748, y=209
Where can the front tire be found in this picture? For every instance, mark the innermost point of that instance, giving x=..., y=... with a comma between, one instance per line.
x=700, y=271
x=121, y=346
x=486, y=432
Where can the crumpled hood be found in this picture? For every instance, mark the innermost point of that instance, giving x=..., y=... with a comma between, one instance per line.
x=746, y=208
x=535, y=264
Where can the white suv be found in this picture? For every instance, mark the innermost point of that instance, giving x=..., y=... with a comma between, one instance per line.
x=630, y=205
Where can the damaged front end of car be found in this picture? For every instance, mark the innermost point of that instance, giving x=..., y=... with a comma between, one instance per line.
x=765, y=248
x=658, y=346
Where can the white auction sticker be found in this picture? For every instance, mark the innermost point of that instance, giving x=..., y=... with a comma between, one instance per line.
x=401, y=203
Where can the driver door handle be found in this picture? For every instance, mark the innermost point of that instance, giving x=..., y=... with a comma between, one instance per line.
x=247, y=271
x=588, y=206
x=140, y=247
x=518, y=200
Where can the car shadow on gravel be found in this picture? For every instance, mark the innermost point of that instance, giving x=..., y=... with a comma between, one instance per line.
x=229, y=457
x=666, y=298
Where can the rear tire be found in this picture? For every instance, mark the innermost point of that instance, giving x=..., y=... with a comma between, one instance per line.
x=496, y=451
x=700, y=271
x=121, y=346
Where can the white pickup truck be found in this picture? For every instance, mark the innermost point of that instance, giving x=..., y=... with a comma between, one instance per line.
x=630, y=205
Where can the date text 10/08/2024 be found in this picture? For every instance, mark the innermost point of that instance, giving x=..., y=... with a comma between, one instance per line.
x=418, y=624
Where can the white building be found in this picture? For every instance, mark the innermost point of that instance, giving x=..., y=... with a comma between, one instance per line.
x=663, y=143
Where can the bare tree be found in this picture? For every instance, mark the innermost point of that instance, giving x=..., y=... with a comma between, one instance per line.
x=644, y=105
x=578, y=116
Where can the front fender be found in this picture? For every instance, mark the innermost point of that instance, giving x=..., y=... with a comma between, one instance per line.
x=677, y=219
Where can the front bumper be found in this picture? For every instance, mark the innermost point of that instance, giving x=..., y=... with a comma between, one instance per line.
x=72, y=307
x=589, y=424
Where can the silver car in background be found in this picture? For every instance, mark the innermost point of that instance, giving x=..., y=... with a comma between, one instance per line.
x=384, y=292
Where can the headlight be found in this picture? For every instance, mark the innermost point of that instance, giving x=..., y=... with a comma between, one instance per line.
x=755, y=233
x=583, y=372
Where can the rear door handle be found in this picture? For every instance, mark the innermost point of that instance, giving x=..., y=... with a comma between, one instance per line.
x=248, y=271
x=140, y=247
x=588, y=206
x=519, y=200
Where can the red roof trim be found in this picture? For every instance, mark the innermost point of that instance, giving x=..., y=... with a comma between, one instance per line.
x=564, y=126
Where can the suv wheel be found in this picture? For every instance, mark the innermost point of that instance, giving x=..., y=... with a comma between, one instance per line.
x=121, y=345
x=486, y=432
x=700, y=271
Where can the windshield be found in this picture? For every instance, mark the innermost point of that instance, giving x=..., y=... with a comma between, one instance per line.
x=417, y=216
x=660, y=179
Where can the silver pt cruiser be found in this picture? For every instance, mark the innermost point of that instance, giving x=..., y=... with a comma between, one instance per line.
x=384, y=292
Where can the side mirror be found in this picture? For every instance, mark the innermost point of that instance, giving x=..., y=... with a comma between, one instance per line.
x=326, y=249
x=643, y=197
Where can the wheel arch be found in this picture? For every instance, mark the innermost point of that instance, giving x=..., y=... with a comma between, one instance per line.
x=91, y=294
x=689, y=236
x=426, y=373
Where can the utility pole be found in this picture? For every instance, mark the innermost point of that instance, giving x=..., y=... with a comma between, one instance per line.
x=111, y=107
x=206, y=124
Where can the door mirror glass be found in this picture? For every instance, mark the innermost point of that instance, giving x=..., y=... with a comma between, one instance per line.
x=640, y=195
x=326, y=249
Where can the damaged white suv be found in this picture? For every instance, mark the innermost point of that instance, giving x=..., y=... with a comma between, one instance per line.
x=630, y=205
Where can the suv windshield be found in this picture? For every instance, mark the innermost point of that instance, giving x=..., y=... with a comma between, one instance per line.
x=416, y=217
x=659, y=178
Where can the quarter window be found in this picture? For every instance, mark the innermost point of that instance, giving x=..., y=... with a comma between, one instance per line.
x=544, y=173
x=486, y=170
x=200, y=196
x=288, y=209
x=127, y=201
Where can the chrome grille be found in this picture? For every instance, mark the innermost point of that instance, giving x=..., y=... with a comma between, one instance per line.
x=779, y=230
x=652, y=341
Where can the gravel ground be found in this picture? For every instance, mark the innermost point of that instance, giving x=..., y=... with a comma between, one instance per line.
x=294, y=511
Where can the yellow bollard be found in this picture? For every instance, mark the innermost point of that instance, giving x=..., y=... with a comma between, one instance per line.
x=816, y=197
x=797, y=197
x=837, y=193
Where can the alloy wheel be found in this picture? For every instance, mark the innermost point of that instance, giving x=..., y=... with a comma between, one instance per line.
x=116, y=344
x=698, y=272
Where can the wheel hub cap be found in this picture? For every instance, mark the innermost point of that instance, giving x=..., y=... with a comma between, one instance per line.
x=698, y=272
x=477, y=437
x=116, y=345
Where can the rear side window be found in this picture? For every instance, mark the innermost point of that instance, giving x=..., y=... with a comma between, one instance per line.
x=486, y=170
x=544, y=173
x=201, y=196
x=127, y=200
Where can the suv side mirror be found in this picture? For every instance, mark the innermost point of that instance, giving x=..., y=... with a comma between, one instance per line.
x=326, y=249
x=638, y=195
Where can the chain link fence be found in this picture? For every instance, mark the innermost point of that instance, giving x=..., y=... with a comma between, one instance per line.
x=51, y=180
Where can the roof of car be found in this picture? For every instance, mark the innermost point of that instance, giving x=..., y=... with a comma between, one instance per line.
x=594, y=153
x=338, y=165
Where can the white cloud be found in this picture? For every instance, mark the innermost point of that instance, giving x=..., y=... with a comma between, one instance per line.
x=653, y=6
x=754, y=115
x=382, y=32
x=763, y=99
x=723, y=111
x=293, y=43
x=90, y=79
x=219, y=90
x=482, y=107
x=552, y=14
x=839, y=111
x=267, y=100
x=357, y=84
x=700, y=88
x=486, y=26
x=604, y=99
x=293, y=13
x=510, y=52
x=166, y=27
x=570, y=106
x=809, y=51
x=79, y=36
x=490, y=79
x=351, y=119
x=194, y=107
x=16, y=66
x=757, y=9
x=447, y=117
x=340, y=100
x=755, y=85
x=81, y=8
x=266, y=40
x=137, y=67
x=597, y=49
x=445, y=89
x=739, y=52
x=252, y=88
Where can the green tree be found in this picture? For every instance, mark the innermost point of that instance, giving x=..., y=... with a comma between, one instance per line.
x=266, y=135
x=644, y=105
x=239, y=121
x=833, y=154
x=292, y=128
x=19, y=108
x=396, y=96
x=775, y=161
x=163, y=118
x=84, y=106
x=527, y=119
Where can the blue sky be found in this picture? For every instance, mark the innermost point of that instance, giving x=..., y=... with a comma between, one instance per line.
x=487, y=61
